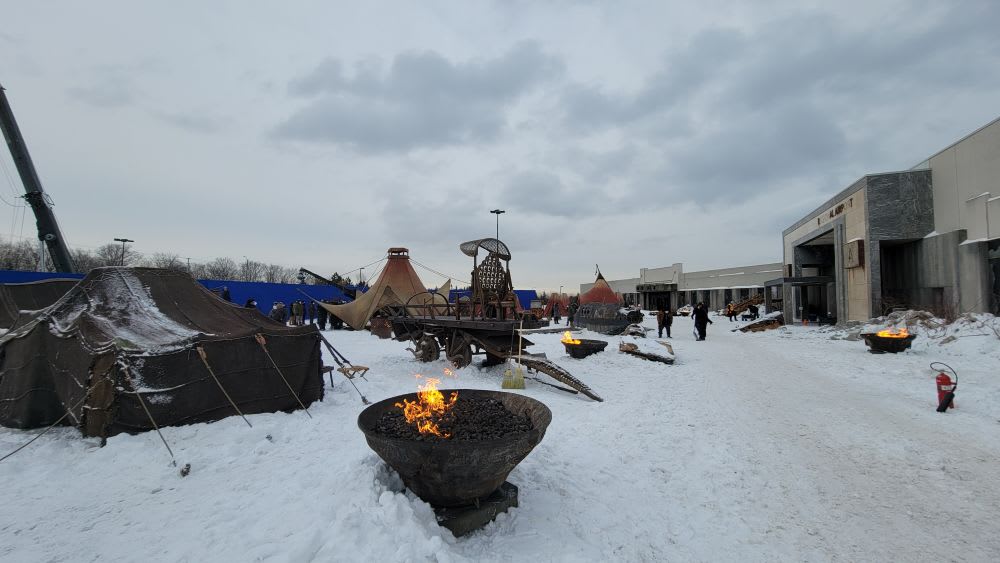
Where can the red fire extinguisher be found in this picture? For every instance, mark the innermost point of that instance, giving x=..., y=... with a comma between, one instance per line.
x=945, y=386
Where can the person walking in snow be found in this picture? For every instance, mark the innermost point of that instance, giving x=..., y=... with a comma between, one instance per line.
x=701, y=320
x=661, y=322
x=573, y=307
x=555, y=312
x=297, y=312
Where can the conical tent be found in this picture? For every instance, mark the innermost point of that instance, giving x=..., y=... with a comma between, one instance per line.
x=396, y=286
x=600, y=293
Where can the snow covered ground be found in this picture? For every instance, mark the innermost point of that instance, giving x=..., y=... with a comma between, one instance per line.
x=788, y=445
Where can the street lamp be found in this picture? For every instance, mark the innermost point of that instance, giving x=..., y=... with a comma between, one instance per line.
x=497, y=212
x=123, y=241
x=560, y=292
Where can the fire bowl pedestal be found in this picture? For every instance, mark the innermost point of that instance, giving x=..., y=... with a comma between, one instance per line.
x=585, y=347
x=887, y=344
x=455, y=473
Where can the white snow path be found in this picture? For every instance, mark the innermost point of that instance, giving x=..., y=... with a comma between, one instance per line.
x=783, y=445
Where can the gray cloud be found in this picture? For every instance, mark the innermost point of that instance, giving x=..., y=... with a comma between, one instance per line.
x=195, y=123
x=420, y=100
x=105, y=94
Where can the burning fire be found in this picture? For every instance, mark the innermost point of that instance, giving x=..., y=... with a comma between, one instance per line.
x=429, y=407
x=892, y=333
x=568, y=338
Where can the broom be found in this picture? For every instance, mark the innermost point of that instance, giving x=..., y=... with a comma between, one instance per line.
x=514, y=379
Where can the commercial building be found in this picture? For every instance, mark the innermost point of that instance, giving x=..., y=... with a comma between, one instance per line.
x=924, y=238
x=672, y=287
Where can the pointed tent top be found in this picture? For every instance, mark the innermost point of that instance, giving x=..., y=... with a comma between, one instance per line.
x=491, y=245
x=599, y=275
x=600, y=293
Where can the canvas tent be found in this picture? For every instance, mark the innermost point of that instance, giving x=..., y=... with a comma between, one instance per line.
x=600, y=310
x=20, y=299
x=125, y=340
x=397, y=286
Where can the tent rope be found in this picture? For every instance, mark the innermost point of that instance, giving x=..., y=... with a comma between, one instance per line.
x=342, y=362
x=53, y=425
x=433, y=271
x=204, y=360
x=263, y=346
x=138, y=395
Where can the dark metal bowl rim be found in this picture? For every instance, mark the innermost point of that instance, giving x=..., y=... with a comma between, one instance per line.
x=445, y=442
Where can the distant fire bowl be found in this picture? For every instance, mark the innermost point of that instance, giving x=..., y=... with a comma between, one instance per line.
x=585, y=348
x=884, y=344
x=447, y=472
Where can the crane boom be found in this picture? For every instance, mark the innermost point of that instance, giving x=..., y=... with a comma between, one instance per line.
x=45, y=219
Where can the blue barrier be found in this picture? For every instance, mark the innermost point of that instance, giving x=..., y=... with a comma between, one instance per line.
x=265, y=294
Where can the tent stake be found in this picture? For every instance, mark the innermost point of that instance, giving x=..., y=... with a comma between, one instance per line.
x=150, y=415
x=263, y=346
x=204, y=360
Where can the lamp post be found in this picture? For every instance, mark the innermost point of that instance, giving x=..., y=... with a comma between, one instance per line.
x=497, y=212
x=123, y=241
x=560, y=292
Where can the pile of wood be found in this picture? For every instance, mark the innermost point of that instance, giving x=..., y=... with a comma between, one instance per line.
x=648, y=350
x=764, y=323
x=741, y=306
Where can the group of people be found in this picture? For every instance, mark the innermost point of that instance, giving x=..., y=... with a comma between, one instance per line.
x=752, y=311
x=570, y=313
x=665, y=319
x=300, y=313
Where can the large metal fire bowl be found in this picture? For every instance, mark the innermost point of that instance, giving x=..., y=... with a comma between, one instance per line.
x=881, y=344
x=456, y=472
x=585, y=347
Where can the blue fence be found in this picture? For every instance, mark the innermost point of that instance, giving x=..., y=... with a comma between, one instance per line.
x=265, y=294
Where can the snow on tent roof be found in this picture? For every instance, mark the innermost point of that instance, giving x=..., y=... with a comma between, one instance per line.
x=29, y=297
x=125, y=334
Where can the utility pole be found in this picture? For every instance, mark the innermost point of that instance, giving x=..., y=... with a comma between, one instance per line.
x=497, y=212
x=45, y=219
x=123, y=241
x=189, y=264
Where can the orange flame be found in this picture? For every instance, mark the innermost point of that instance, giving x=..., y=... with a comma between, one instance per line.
x=429, y=407
x=892, y=333
x=568, y=338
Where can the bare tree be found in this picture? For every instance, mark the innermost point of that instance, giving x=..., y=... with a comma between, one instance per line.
x=111, y=255
x=84, y=260
x=222, y=269
x=20, y=255
x=168, y=261
x=251, y=271
x=273, y=273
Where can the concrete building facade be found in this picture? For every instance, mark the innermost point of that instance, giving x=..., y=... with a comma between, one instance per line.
x=672, y=287
x=924, y=238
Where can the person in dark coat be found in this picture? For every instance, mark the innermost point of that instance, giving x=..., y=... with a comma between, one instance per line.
x=225, y=294
x=250, y=304
x=555, y=312
x=311, y=312
x=321, y=316
x=663, y=322
x=573, y=307
x=701, y=320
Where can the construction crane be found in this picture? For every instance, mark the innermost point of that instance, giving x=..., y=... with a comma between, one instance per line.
x=41, y=205
x=346, y=289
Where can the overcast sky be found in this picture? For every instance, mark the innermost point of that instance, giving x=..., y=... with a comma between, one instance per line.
x=627, y=134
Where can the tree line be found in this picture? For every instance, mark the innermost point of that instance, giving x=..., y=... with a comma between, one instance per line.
x=24, y=255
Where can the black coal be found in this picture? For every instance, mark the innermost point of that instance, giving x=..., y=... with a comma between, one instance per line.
x=470, y=419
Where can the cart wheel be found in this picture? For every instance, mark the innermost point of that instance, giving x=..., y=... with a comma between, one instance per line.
x=427, y=349
x=492, y=360
x=461, y=357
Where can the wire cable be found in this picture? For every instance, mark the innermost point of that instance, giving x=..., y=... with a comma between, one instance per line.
x=432, y=270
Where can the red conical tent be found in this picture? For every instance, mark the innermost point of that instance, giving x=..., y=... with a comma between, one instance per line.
x=600, y=293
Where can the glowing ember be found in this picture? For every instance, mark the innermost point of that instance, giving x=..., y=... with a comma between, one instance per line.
x=429, y=407
x=892, y=333
x=568, y=338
